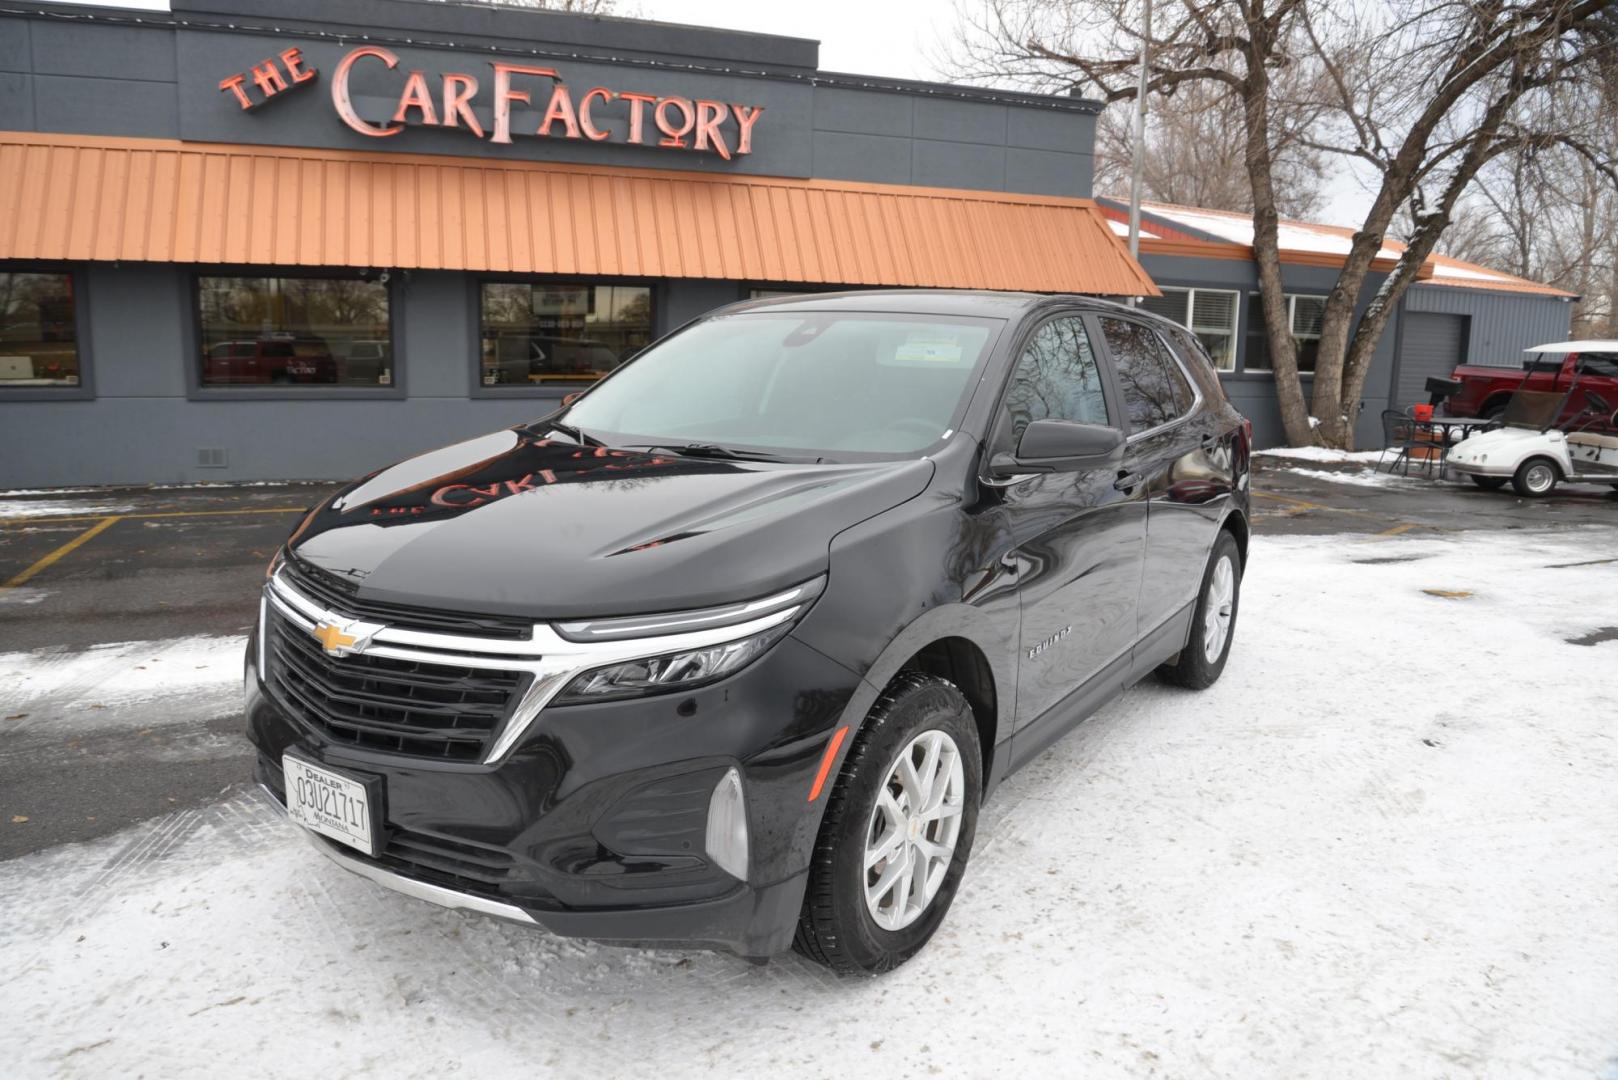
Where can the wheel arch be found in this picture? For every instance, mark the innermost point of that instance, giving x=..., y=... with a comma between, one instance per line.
x=1235, y=523
x=962, y=644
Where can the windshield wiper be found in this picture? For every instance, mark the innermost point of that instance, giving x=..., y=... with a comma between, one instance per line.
x=714, y=450
x=578, y=435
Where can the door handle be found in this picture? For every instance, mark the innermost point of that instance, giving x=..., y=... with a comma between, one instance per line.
x=1127, y=482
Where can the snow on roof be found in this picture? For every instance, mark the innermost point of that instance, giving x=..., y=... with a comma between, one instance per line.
x=1121, y=228
x=1238, y=229
x=1319, y=239
x=1588, y=345
x=1460, y=274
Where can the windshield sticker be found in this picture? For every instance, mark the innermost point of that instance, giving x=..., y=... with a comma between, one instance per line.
x=920, y=350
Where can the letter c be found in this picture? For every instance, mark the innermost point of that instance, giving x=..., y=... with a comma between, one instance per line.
x=345, y=106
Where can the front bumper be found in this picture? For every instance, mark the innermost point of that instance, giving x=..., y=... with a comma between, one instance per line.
x=1477, y=468
x=593, y=825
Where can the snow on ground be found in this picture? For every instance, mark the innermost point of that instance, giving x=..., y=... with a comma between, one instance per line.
x=1381, y=846
x=30, y=508
x=70, y=691
x=8, y=493
x=1321, y=453
x=1363, y=477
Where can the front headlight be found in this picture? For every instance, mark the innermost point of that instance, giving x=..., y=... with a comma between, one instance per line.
x=670, y=672
x=756, y=624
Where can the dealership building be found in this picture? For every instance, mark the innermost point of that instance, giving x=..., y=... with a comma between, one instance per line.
x=237, y=245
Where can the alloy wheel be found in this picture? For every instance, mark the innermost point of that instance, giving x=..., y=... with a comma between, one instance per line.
x=1539, y=479
x=1216, y=613
x=911, y=836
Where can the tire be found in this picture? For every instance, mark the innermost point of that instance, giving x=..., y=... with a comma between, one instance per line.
x=1489, y=483
x=837, y=926
x=1493, y=409
x=1536, y=477
x=1194, y=669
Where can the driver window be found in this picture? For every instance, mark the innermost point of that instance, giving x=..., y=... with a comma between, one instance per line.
x=1056, y=379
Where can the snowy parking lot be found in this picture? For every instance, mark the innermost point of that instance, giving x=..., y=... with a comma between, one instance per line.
x=1381, y=846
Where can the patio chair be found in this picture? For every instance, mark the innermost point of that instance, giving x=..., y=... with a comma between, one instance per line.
x=1403, y=435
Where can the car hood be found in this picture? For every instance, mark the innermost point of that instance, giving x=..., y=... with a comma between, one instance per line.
x=513, y=523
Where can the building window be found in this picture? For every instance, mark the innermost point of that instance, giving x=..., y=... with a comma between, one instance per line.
x=295, y=331
x=1304, y=315
x=38, y=332
x=1208, y=313
x=534, y=333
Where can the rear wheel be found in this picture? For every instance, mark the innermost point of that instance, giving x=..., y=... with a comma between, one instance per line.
x=1213, y=624
x=897, y=832
x=1489, y=483
x=1536, y=477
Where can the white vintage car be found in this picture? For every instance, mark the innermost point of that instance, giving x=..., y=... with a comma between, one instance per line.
x=1530, y=452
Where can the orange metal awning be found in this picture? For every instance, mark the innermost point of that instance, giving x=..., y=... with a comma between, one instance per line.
x=153, y=200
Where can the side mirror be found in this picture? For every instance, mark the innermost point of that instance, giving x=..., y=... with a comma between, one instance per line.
x=1060, y=446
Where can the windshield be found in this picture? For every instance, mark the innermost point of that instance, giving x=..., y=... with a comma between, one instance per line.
x=822, y=384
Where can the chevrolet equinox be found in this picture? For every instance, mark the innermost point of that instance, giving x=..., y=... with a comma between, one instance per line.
x=728, y=651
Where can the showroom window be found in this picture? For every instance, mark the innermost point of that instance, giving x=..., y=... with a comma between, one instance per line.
x=1208, y=313
x=537, y=333
x=39, y=344
x=1304, y=315
x=295, y=331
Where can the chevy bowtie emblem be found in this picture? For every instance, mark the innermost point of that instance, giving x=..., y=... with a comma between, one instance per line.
x=341, y=639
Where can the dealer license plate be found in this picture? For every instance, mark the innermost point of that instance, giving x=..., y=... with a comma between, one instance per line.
x=329, y=803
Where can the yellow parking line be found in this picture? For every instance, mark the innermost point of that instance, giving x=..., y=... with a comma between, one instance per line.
x=1289, y=500
x=68, y=519
x=66, y=549
x=1398, y=529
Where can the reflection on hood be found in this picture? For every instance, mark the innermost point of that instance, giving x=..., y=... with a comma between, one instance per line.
x=518, y=523
x=448, y=482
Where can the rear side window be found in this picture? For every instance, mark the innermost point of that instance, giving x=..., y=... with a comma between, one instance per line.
x=1154, y=389
x=1056, y=378
x=1601, y=364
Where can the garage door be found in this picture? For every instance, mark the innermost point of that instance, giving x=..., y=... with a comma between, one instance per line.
x=1431, y=345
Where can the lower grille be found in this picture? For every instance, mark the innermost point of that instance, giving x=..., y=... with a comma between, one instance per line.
x=405, y=707
x=454, y=864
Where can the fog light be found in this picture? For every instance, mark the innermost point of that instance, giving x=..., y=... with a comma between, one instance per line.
x=727, y=826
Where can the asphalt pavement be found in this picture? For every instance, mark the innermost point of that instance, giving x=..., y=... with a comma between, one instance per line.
x=81, y=569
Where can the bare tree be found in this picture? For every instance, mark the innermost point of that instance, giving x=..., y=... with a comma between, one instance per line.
x=1550, y=213
x=1425, y=94
x=1195, y=155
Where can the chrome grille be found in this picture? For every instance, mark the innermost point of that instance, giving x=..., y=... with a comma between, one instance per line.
x=411, y=707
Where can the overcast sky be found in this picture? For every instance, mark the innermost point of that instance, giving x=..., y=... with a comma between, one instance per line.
x=896, y=38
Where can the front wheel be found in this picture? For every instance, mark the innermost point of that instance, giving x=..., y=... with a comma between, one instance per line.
x=1536, y=477
x=1489, y=483
x=897, y=832
x=1213, y=624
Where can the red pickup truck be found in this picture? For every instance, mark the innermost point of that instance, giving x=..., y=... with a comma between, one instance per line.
x=1485, y=390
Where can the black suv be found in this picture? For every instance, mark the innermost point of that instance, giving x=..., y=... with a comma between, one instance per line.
x=729, y=651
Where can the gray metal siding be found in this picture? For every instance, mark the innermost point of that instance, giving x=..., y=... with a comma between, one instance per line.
x=96, y=75
x=1254, y=392
x=1502, y=324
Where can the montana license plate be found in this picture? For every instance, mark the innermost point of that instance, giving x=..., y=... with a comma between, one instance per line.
x=331, y=803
